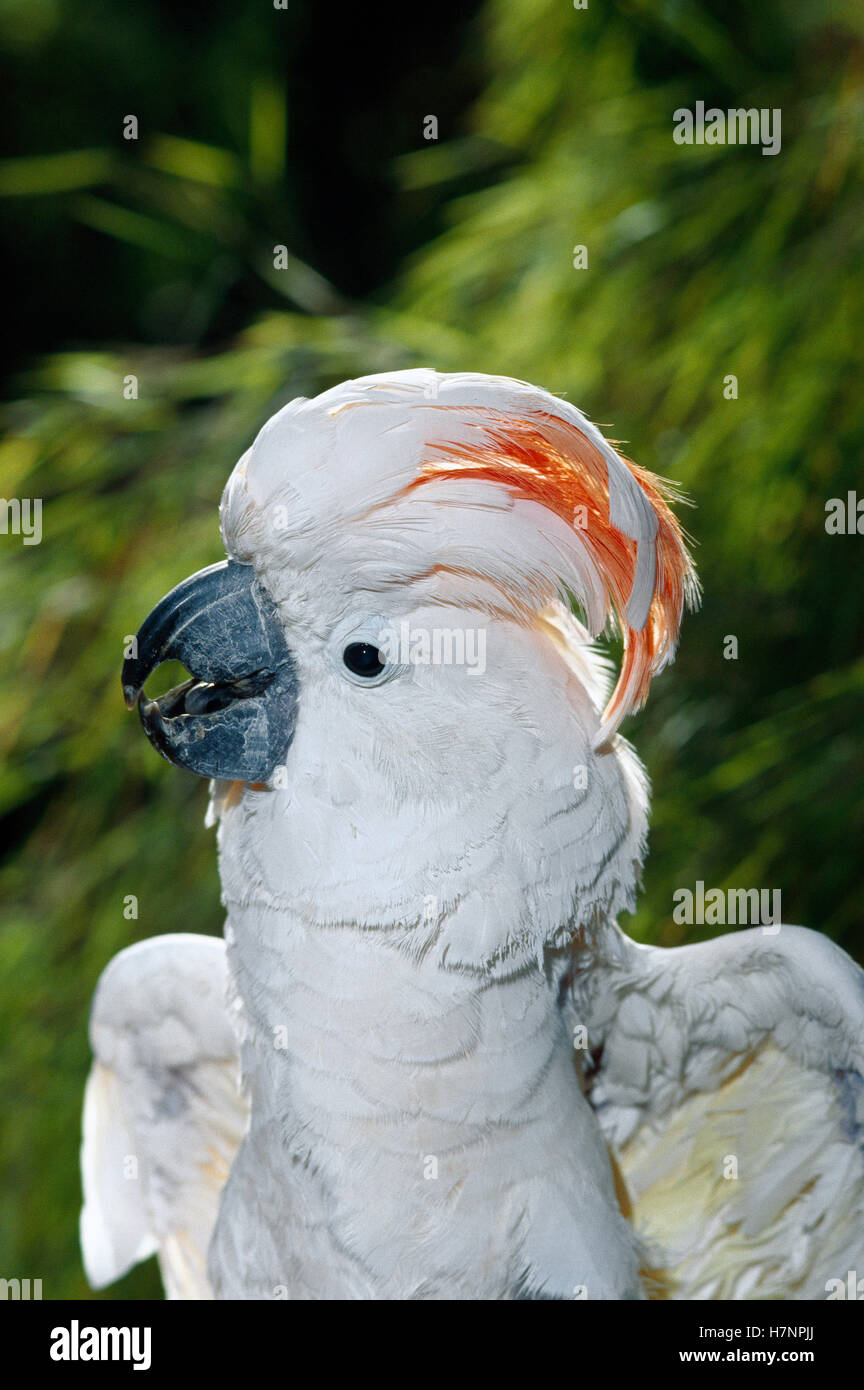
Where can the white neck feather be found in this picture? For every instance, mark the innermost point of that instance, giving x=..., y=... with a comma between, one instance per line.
x=423, y=1128
x=412, y=1080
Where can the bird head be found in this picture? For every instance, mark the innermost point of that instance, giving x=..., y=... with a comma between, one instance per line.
x=402, y=715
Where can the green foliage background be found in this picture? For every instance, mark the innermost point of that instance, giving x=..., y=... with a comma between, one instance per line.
x=703, y=261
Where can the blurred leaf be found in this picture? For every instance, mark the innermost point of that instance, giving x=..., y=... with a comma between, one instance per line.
x=267, y=127
x=133, y=227
x=191, y=159
x=54, y=173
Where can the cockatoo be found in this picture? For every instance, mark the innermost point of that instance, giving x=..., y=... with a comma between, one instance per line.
x=425, y=1062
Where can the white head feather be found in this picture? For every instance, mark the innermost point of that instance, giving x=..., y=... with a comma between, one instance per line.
x=459, y=501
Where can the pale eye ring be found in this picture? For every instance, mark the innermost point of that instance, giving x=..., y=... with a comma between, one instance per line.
x=364, y=650
x=364, y=660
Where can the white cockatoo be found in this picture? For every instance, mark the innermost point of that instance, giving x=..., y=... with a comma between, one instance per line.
x=426, y=1062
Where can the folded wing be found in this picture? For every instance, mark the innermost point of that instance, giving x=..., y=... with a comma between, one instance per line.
x=728, y=1078
x=163, y=1112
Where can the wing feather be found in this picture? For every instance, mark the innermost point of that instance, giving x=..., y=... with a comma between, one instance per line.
x=163, y=1112
x=728, y=1082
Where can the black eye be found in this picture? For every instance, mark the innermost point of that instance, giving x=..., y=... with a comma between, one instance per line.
x=362, y=659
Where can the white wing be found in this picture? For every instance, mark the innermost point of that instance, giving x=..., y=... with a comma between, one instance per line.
x=728, y=1078
x=163, y=1113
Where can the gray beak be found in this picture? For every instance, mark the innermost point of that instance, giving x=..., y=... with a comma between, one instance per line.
x=235, y=718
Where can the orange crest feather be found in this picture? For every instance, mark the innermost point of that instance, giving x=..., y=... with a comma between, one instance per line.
x=548, y=460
